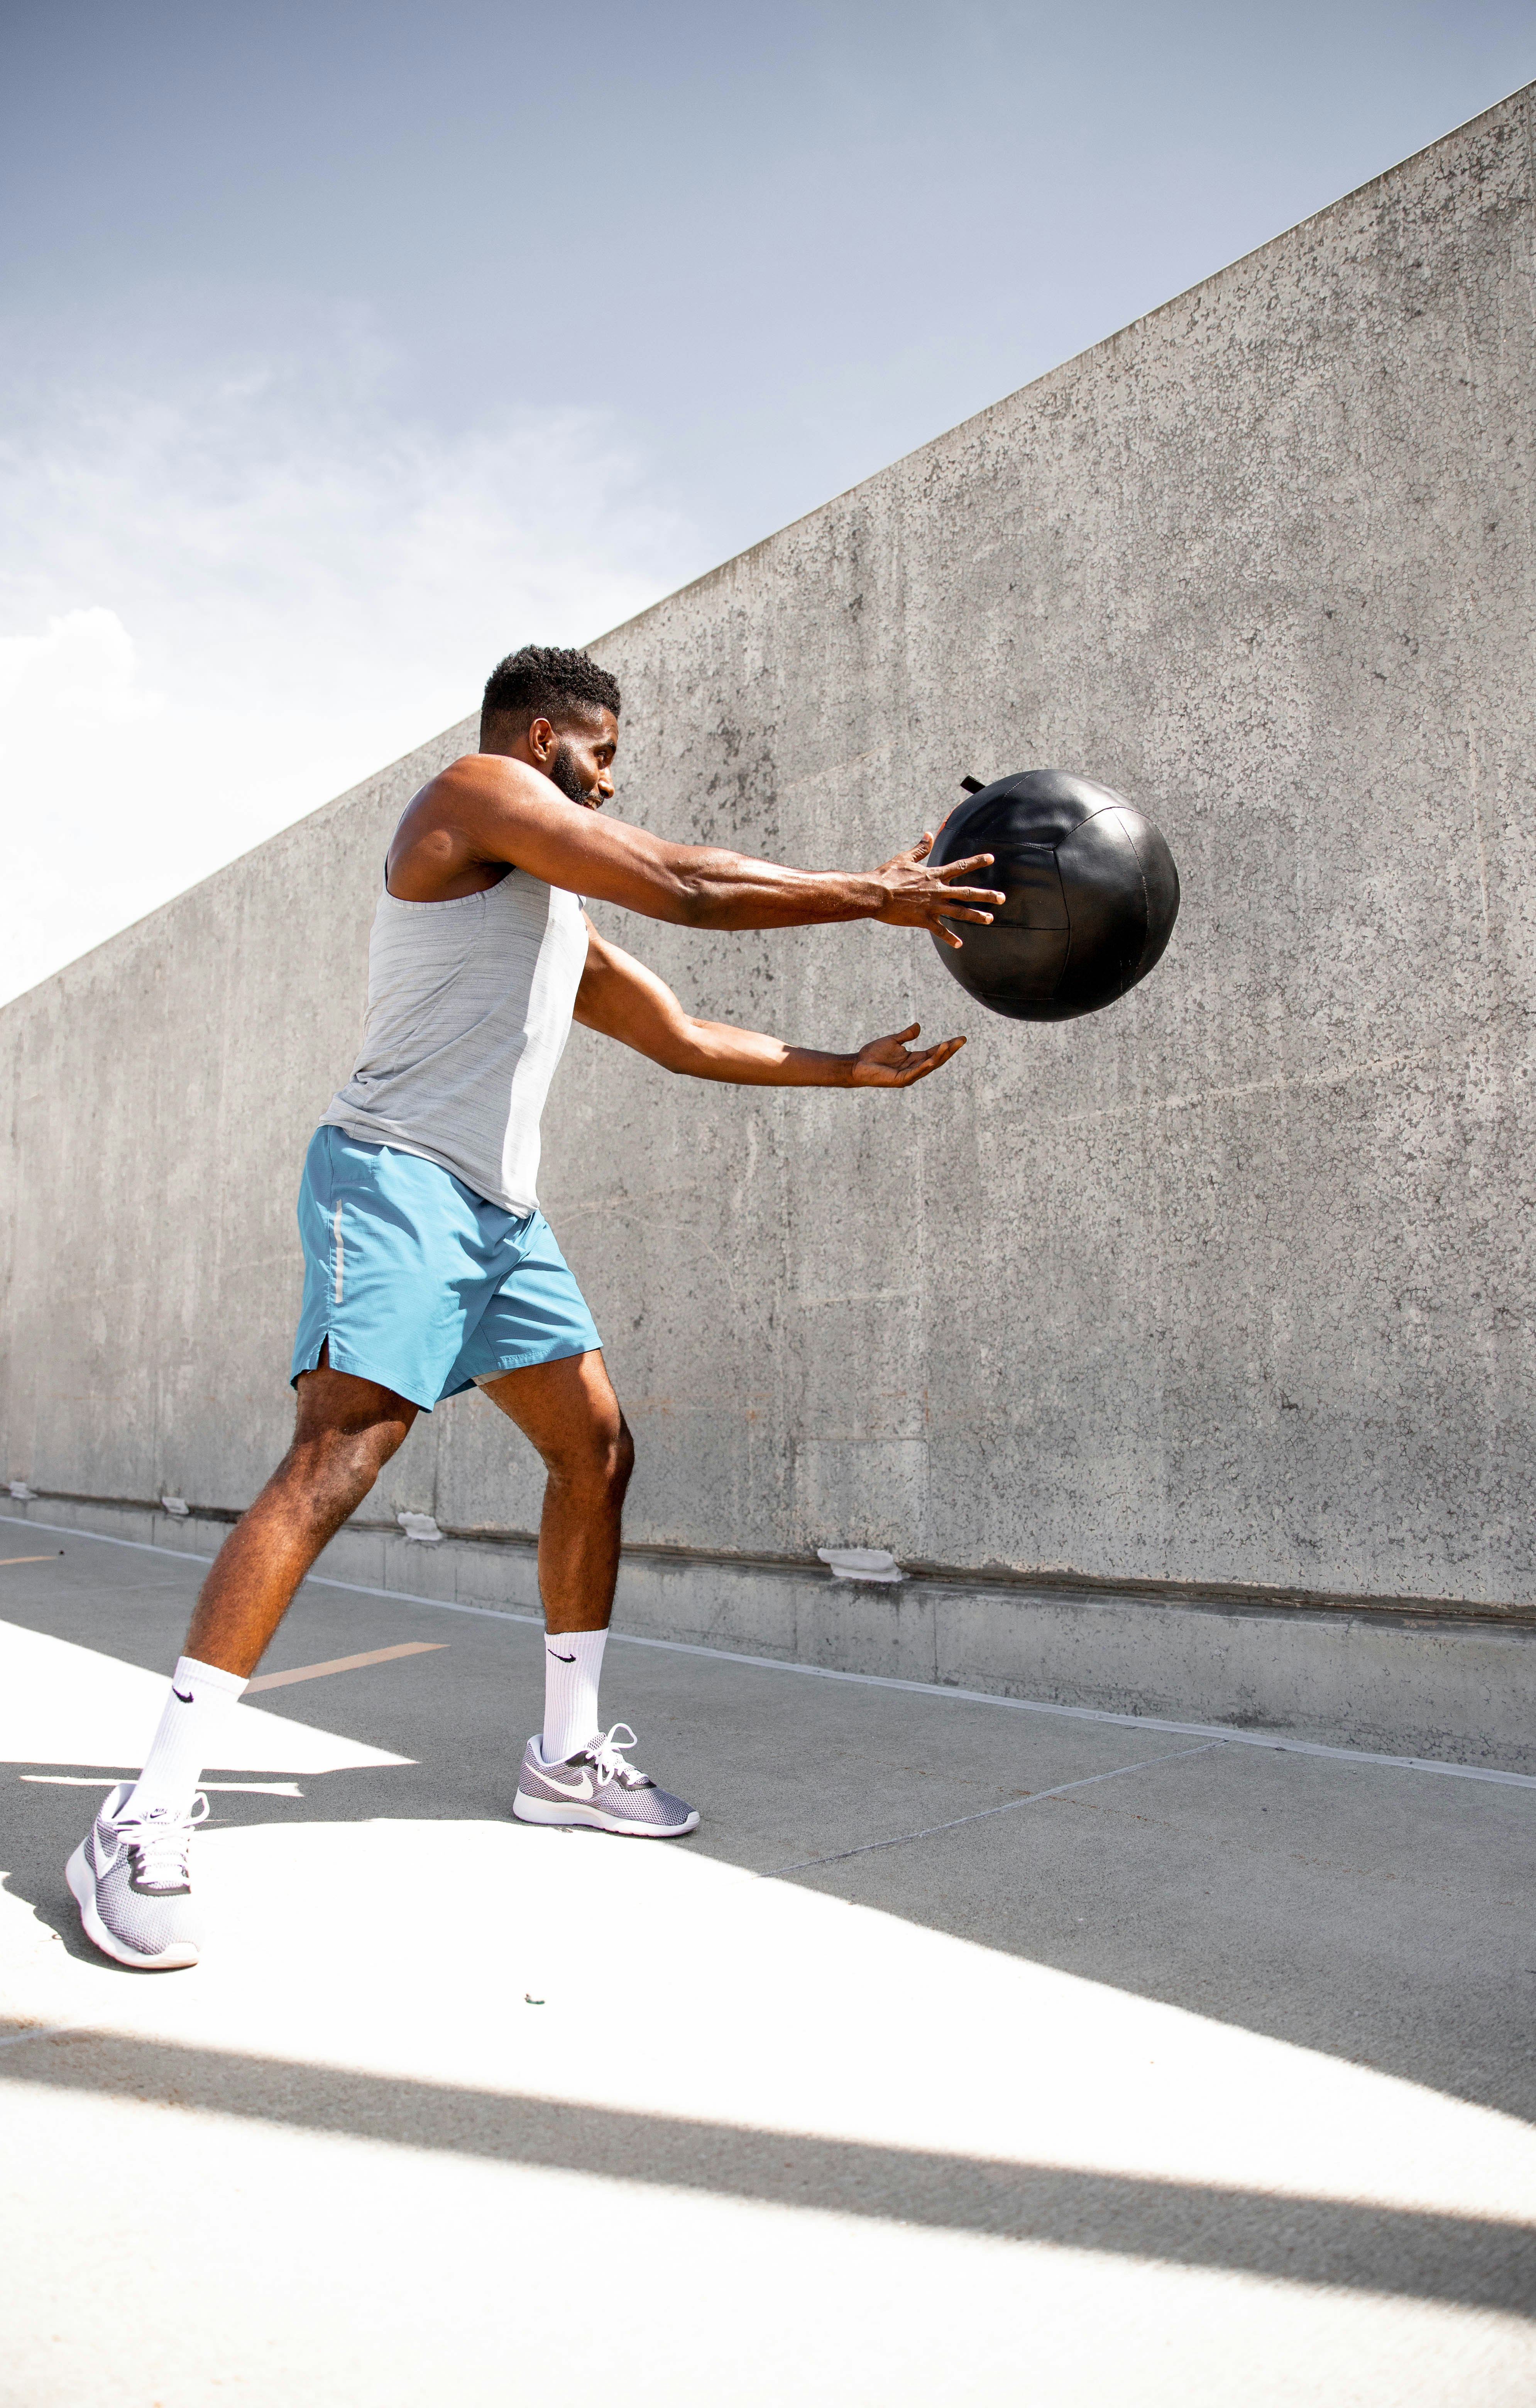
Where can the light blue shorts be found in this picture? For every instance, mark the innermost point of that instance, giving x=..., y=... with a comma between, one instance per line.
x=416, y=1281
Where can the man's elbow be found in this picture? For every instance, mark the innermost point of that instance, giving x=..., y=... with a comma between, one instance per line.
x=697, y=902
x=684, y=1053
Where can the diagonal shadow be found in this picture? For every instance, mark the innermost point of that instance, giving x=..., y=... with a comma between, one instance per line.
x=1472, y=2261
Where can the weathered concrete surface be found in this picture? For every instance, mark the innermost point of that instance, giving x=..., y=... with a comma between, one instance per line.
x=963, y=2056
x=1230, y=1284
x=1453, y=1689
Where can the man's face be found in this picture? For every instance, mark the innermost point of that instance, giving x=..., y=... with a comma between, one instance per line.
x=578, y=756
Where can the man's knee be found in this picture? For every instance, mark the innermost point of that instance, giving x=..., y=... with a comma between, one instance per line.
x=613, y=1456
x=339, y=1454
x=336, y=1468
x=598, y=1457
x=623, y=1456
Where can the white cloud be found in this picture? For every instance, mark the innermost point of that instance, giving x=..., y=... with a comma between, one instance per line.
x=85, y=664
x=214, y=615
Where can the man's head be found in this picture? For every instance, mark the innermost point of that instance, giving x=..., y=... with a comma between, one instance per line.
x=558, y=711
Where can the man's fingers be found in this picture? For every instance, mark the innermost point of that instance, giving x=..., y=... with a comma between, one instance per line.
x=933, y=1059
x=958, y=868
x=906, y=1073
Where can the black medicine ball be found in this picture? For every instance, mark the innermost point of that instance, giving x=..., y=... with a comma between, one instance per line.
x=1092, y=896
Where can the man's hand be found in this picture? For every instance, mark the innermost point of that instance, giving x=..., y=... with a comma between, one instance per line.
x=889, y=1062
x=918, y=895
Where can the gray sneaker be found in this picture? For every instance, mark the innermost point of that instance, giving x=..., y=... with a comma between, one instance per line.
x=133, y=1884
x=598, y=1787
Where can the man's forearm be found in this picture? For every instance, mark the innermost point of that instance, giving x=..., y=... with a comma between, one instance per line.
x=743, y=1058
x=716, y=889
x=713, y=889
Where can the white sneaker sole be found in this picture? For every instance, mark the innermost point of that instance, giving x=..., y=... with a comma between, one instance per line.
x=77, y=1873
x=594, y=1818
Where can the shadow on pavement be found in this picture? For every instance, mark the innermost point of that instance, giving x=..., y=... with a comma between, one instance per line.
x=1470, y=2261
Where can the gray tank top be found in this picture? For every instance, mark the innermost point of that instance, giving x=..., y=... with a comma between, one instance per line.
x=469, y=1007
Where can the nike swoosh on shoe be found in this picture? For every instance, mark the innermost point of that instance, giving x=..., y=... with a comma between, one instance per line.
x=583, y=1789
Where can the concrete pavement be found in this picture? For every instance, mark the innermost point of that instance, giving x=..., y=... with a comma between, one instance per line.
x=966, y=2052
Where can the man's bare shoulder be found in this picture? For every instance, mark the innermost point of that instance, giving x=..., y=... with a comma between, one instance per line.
x=480, y=794
x=460, y=825
x=479, y=782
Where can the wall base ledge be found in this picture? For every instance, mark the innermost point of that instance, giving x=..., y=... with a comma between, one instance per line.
x=1447, y=1687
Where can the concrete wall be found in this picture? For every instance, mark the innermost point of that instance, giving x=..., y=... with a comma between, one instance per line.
x=1232, y=1283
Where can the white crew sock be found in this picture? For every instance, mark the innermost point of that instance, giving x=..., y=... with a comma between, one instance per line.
x=187, y=1739
x=573, y=1661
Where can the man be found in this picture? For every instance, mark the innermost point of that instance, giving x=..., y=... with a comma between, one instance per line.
x=428, y=1265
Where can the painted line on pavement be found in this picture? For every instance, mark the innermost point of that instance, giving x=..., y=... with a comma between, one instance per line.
x=51, y=1557
x=1276, y=1740
x=342, y=1664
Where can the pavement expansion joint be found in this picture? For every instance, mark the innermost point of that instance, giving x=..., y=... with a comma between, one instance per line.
x=984, y=1813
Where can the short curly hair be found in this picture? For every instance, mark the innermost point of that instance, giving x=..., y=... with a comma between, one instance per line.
x=542, y=683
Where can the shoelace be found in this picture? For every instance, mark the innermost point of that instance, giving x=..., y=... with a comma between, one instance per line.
x=159, y=1845
x=607, y=1754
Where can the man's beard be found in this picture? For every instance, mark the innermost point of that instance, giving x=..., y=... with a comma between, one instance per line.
x=563, y=773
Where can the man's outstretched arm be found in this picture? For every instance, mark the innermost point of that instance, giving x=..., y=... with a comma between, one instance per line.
x=621, y=997
x=490, y=809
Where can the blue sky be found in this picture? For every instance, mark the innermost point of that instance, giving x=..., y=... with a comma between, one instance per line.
x=345, y=347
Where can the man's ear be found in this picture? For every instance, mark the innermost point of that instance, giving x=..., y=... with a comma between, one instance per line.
x=542, y=740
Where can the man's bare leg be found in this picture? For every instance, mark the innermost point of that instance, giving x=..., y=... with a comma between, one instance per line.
x=569, y=1413
x=346, y=1431
x=130, y=1872
x=573, y=1772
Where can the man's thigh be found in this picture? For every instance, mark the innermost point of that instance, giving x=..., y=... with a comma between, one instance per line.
x=338, y=1401
x=562, y=1408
